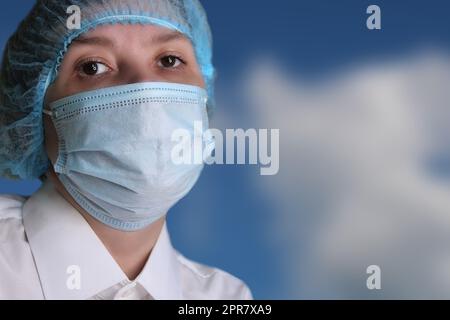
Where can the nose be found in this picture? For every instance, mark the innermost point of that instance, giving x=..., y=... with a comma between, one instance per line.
x=136, y=69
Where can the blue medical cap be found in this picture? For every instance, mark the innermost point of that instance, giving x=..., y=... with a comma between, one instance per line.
x=34, y=52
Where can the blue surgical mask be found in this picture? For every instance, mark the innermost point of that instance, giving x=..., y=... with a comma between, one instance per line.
x=115, y=145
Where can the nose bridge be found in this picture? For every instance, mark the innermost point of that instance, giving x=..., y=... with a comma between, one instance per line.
x=136, y=64
x=137, y=68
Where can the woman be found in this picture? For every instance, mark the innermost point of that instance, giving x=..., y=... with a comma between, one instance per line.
x=90, y=109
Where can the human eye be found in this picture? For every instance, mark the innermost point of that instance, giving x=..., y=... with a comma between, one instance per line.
x=170, y=61
x=92, y=67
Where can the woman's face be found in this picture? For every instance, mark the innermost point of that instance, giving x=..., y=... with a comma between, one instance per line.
x=113, y=55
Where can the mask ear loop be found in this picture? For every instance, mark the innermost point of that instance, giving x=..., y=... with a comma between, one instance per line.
x=47, y=112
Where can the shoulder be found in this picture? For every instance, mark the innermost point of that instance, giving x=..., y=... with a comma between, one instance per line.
x=11, y=225
x=11, y=205
x=201, y=281
x=18, y=275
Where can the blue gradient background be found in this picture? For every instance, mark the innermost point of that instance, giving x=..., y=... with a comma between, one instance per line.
x=224, y=221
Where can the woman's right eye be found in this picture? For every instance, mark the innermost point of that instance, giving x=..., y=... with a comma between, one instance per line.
x=93, y=68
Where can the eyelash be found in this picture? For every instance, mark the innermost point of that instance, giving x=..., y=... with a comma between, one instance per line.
x=81, y=64
x=171, y=55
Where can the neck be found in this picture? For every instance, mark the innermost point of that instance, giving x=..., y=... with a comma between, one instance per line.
x=130, y=250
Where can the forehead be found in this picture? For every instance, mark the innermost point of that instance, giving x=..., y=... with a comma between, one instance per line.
x=143, y=33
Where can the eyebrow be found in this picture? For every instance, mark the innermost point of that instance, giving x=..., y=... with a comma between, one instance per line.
x=168, y=36
x=101, y=41
x=110, y=42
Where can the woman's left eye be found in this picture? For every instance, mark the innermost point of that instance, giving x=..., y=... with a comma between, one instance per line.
x=170, y=61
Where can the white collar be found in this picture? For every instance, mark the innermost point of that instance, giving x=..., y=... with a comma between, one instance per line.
x=60, y=237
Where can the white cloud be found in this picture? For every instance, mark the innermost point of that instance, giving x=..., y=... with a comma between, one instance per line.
x=354, y=186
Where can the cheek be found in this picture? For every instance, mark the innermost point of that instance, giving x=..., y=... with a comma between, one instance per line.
x=50, y=139
x=201, y=81
x=193, y=77
x=196, y=79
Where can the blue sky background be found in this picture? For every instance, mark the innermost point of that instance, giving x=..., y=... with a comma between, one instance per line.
x=225, y=220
